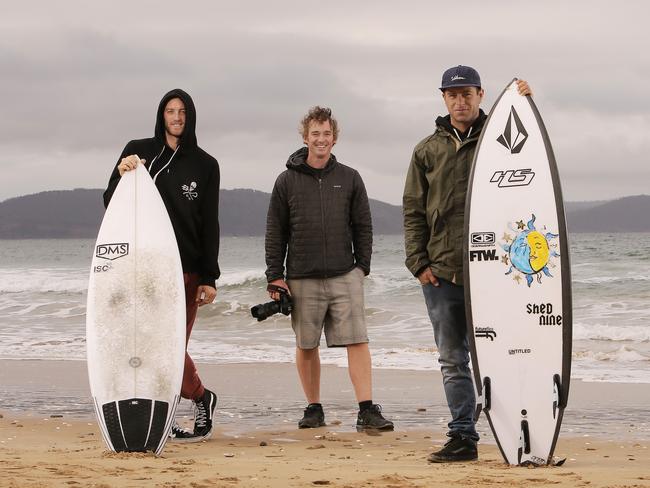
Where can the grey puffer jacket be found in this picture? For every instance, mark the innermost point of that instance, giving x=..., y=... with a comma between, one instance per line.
x=319, y=221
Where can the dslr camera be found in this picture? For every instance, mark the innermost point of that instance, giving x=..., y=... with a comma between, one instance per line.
x=264, y=310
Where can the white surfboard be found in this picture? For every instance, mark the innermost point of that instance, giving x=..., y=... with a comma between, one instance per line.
x=517, y=281
x=135, y=319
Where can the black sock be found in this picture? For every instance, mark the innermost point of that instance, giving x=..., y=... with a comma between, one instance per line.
x=365, y=405
x=316, y=405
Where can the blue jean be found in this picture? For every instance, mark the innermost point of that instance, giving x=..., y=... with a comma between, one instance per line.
x=446, y=307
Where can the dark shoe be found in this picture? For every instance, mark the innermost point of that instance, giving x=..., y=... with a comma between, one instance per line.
x=314, y=417
x=456, y=449
x=178, y=434
x=203, y=413
x=371, y=418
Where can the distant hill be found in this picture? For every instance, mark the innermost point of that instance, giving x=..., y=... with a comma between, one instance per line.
x=242, y=212
x=629, y=214
x=52, y=214
x=78, y=213
x=573, y=206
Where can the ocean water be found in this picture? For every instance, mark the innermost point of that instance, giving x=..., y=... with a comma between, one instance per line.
x=43, y=297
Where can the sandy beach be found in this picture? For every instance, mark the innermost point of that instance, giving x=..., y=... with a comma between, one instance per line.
x=54, y=441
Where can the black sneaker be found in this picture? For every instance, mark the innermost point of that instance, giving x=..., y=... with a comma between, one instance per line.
x=371, y=418
x=178, y=434
x=203, y=412
x=314, y=417
x=456, y=449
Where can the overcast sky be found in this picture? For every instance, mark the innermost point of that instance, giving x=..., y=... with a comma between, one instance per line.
x=80, y=79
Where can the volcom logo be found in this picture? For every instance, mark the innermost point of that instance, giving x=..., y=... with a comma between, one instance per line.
x=513, y=177
x=514, y=135
x=189, y=192
x=457, y=77
x=487, y=332
x=112, y=251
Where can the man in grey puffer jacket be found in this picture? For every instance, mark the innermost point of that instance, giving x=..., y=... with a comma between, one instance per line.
x=319, y=220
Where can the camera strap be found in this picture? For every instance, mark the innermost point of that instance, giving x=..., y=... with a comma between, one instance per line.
x=276, y=288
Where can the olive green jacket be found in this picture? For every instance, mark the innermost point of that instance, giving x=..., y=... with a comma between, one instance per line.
x=434, y=201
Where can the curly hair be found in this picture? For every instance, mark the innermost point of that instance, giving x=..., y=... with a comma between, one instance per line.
x=319, y=114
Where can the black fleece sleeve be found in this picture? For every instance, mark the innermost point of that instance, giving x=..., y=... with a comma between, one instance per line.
x=210, y=271
x=361, y=221
x=115, y=176
x=277, y=232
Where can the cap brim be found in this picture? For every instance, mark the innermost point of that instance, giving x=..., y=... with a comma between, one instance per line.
x=462, y=85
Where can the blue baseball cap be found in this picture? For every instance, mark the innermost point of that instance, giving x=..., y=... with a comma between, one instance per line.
x=460, y=76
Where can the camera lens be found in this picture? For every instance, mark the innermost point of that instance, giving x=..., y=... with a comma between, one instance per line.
x=265, y=310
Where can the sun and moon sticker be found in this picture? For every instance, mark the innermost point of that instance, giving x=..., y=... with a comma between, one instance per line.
x=531, y=253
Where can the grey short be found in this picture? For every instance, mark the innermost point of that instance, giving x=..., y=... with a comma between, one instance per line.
x=335, y=304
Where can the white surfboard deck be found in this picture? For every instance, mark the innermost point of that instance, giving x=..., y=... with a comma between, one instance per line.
x=517, y=282
x=135, y=318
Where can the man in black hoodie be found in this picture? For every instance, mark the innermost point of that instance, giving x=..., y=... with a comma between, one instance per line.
x=188, y=181
x=319, y=220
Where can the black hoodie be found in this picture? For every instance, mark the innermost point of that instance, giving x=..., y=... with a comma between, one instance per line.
x=461, y=136
x=188, y=182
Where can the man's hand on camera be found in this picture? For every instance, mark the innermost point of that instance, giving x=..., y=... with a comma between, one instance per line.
x=275, y=295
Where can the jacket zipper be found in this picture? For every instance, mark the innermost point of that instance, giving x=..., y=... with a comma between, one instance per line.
x=322, y=223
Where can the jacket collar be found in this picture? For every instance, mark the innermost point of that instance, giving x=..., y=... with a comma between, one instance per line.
x=298, y=162
x=475, y=129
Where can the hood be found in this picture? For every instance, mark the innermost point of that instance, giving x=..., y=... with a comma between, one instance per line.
x=188, y=138
x=445, y=122
x=298, y=162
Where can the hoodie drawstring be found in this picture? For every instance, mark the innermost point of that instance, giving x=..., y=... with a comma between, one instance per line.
x=168, y=162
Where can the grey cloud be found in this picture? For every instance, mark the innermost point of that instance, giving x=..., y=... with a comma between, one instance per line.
x=82, y=81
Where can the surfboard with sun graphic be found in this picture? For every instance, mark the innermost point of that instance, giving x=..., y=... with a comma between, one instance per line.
x=517, y=282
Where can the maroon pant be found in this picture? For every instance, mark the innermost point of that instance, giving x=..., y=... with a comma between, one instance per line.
x=192, y=387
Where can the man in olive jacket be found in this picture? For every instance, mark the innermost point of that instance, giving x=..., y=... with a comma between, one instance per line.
x=319, y=219
x=434, y=211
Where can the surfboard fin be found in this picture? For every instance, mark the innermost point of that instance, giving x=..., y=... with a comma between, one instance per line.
x=524, y=441
x=557, y=388
x=487, y=392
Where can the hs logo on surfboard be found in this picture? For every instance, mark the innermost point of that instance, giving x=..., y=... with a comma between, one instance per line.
x=112, y=251
x=188, y=191
x=513, y=177
x=514, y=134
x=530, y=252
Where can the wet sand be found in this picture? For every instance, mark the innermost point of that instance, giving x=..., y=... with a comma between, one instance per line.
x=49, y=437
